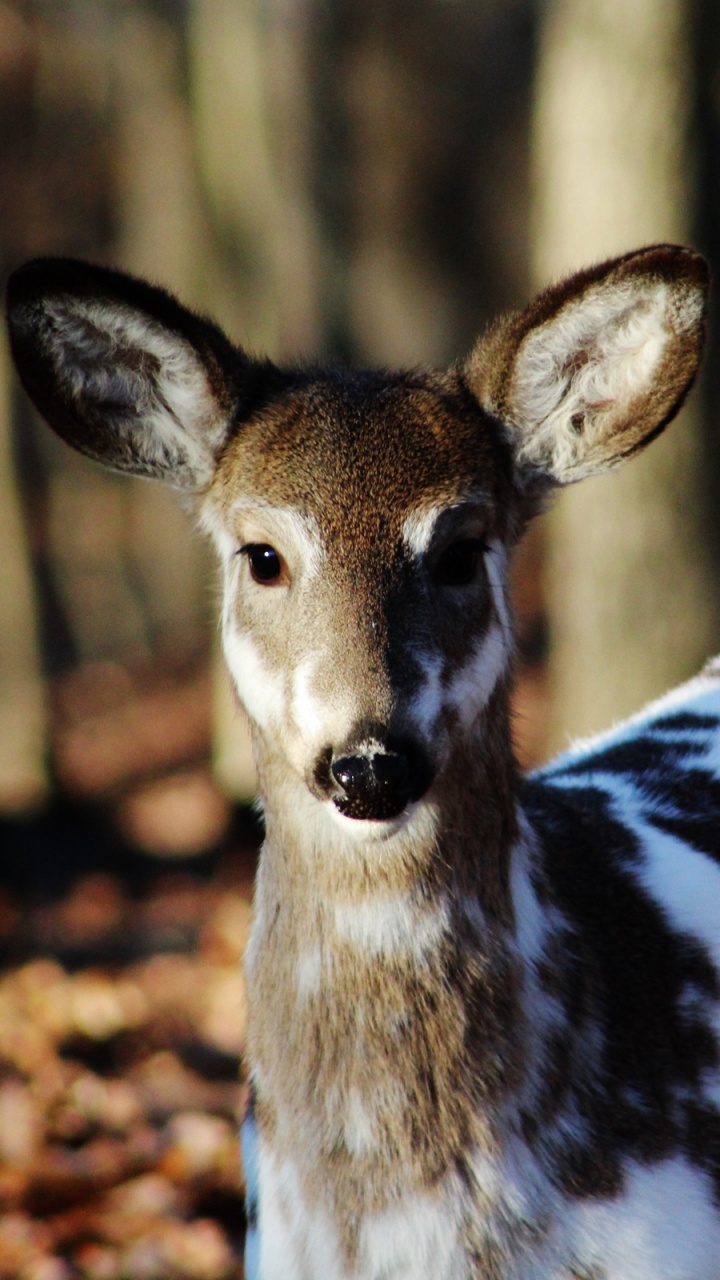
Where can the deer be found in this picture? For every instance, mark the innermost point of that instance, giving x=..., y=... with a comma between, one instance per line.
x=483, y=1035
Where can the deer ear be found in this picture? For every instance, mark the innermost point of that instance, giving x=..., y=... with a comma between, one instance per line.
x=123, y=372
x=596, y=366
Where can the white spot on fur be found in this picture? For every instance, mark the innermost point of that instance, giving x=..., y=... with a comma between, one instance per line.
x=260, y=690
x=419, y=1239
x=391, y=925
x=427, y=703
x=251, y=518
x=664, y=1224
x=211, y=522
x=308, y=712
x=472, y=686
x=308, y=974
x=496, y=561
x=296, y=1239
x=685, y=883
x=359, y=1131
x=535, y=928
x=532, y=922
x=418, y=529
x=296, y=533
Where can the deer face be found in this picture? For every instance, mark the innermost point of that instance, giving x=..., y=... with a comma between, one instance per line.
x=364, y=521
x=362, y=524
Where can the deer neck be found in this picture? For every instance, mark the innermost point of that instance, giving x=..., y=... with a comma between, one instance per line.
x=372, y=1040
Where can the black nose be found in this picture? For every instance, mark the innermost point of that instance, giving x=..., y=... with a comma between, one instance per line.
x=376, y=786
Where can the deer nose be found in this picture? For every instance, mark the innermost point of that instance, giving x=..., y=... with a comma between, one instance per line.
x=374, y=787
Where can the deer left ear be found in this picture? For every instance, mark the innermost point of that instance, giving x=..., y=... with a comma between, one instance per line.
x=126, y=374
x=597, y=366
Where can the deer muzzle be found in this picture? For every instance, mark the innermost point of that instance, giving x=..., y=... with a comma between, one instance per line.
x=373, y=781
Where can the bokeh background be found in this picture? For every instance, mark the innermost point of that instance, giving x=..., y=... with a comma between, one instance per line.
x=349, y=180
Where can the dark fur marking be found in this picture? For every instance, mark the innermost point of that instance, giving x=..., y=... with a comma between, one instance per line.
x=625, y=958
x=636, y=757
x=690, y=808
x=681, y=800
x=699, y=830
x=682, y=721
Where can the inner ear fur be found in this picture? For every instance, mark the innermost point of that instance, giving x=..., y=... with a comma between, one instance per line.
x=597, y=365
x=126, y=374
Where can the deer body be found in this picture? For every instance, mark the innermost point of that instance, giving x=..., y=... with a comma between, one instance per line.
x=483, y=1013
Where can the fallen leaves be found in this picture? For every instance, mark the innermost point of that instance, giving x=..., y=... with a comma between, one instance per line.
x=119, y=1090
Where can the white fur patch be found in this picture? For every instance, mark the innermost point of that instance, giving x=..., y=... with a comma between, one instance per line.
x=296, y=532
x=308, y=713
x=296, y=1241
x=260, y=690
x=496, y=567
x=211, y=522
x=664, y=1225
x=685, y=883
x=387, y=925
x=251, y=518
x=471, y=687
x=533, y=923
x=360, y=1128
x=308, y=974
x=536, y=926
x=419, y=1239
x=418, y=529
x=427, y=703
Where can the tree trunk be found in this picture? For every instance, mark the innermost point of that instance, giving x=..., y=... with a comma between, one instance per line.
x=23, y=780
x=250, y=108
x=632, y=599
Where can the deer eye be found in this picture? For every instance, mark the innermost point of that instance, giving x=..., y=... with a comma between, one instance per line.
x=267, y=567
x=458, y=564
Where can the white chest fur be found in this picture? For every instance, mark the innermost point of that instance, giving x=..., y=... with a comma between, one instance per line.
x=427, y=1237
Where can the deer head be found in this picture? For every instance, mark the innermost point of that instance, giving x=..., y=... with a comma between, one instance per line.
x=364, y=520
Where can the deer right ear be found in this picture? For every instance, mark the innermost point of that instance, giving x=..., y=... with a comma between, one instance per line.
x=597, y=366
x=123, y=372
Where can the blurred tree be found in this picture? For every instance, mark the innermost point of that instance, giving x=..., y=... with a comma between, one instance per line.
x=633, y=599
x=249, y=94
x=98, y=160
x=421, y=133
x=23, y=724
x=161, y=232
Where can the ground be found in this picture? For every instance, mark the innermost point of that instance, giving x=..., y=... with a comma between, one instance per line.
x=121, y=1033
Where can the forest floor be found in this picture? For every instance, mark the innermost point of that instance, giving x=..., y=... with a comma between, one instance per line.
x=121, y=1031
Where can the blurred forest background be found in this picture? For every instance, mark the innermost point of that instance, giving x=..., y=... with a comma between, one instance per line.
x=350, y=180
x=366, y=181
